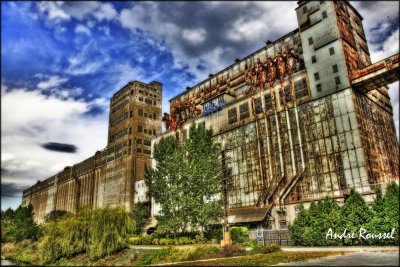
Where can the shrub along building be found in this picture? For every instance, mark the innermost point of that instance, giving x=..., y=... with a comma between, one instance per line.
x=305, y=117
x=112, y=175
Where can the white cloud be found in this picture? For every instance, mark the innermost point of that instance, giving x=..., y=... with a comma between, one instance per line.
x=84, y=63
x=51, y=82
x=82, y=29
x=63, y=11
x=195, y=36
x=53, y=10
x=30, y=118
x=105, y=12
x=390, y=47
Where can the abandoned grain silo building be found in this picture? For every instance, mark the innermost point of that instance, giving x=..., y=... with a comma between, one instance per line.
x=111, y=176
x=305, y=117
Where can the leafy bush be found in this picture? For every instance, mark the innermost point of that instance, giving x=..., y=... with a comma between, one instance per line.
x=232, y=251
x=264, y=249
x=214, y=232
x=310, y=227
x=163, y=241
x=239, y=234
x=203, y=251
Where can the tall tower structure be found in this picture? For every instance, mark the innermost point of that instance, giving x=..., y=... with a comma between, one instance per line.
x=335, y=50
x=135, y=118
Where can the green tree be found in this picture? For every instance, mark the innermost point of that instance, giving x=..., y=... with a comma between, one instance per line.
x=356, y=214
x=25, y=225
x=391, y=210
x=202, y=187
x=385, y=217
x=301, y=228
x=8, y=229
x=186, y=181
x=165, y=184
x=328, y=218
x=141, y=216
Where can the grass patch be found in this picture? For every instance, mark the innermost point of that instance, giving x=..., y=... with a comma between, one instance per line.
x=265, y=259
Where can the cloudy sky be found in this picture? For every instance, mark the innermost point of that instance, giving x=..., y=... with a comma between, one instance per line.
x=61, y=62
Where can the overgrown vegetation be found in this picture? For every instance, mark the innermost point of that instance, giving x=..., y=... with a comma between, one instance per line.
x=56, y=215
x=311, y=226
x=198, y=252
x=186, y=182
x=162, y=241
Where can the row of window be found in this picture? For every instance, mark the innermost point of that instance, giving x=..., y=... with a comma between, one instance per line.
x=119, y=119
x=145, y=151
x=147, y=93
x=119, y=106
x=120, y=134
x=145, y=142
x=148, y=101
x=147, y=115
x=146, y=131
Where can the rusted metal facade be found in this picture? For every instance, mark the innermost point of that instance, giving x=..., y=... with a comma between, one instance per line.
x=110, y=177
x=293, y=128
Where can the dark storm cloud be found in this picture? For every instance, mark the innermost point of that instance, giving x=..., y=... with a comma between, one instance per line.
x=67, y=148
x=194, y=30
x=11, y=189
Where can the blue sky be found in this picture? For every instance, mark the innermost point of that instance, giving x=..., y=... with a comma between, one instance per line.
x=62, y=61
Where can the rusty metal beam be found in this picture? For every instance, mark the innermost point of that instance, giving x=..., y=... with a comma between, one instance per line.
x=377, y=75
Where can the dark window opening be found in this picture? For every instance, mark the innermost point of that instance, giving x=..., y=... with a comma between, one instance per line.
x=335, y=68
x=310, y=41
x=331, y=51
x=232, y=115
x=313, y=59
x=337, y=80
x=324, y=15
x=316, y=76
x=319, y=89
x=268, y=102
x=244, y=111
x=258, y=105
